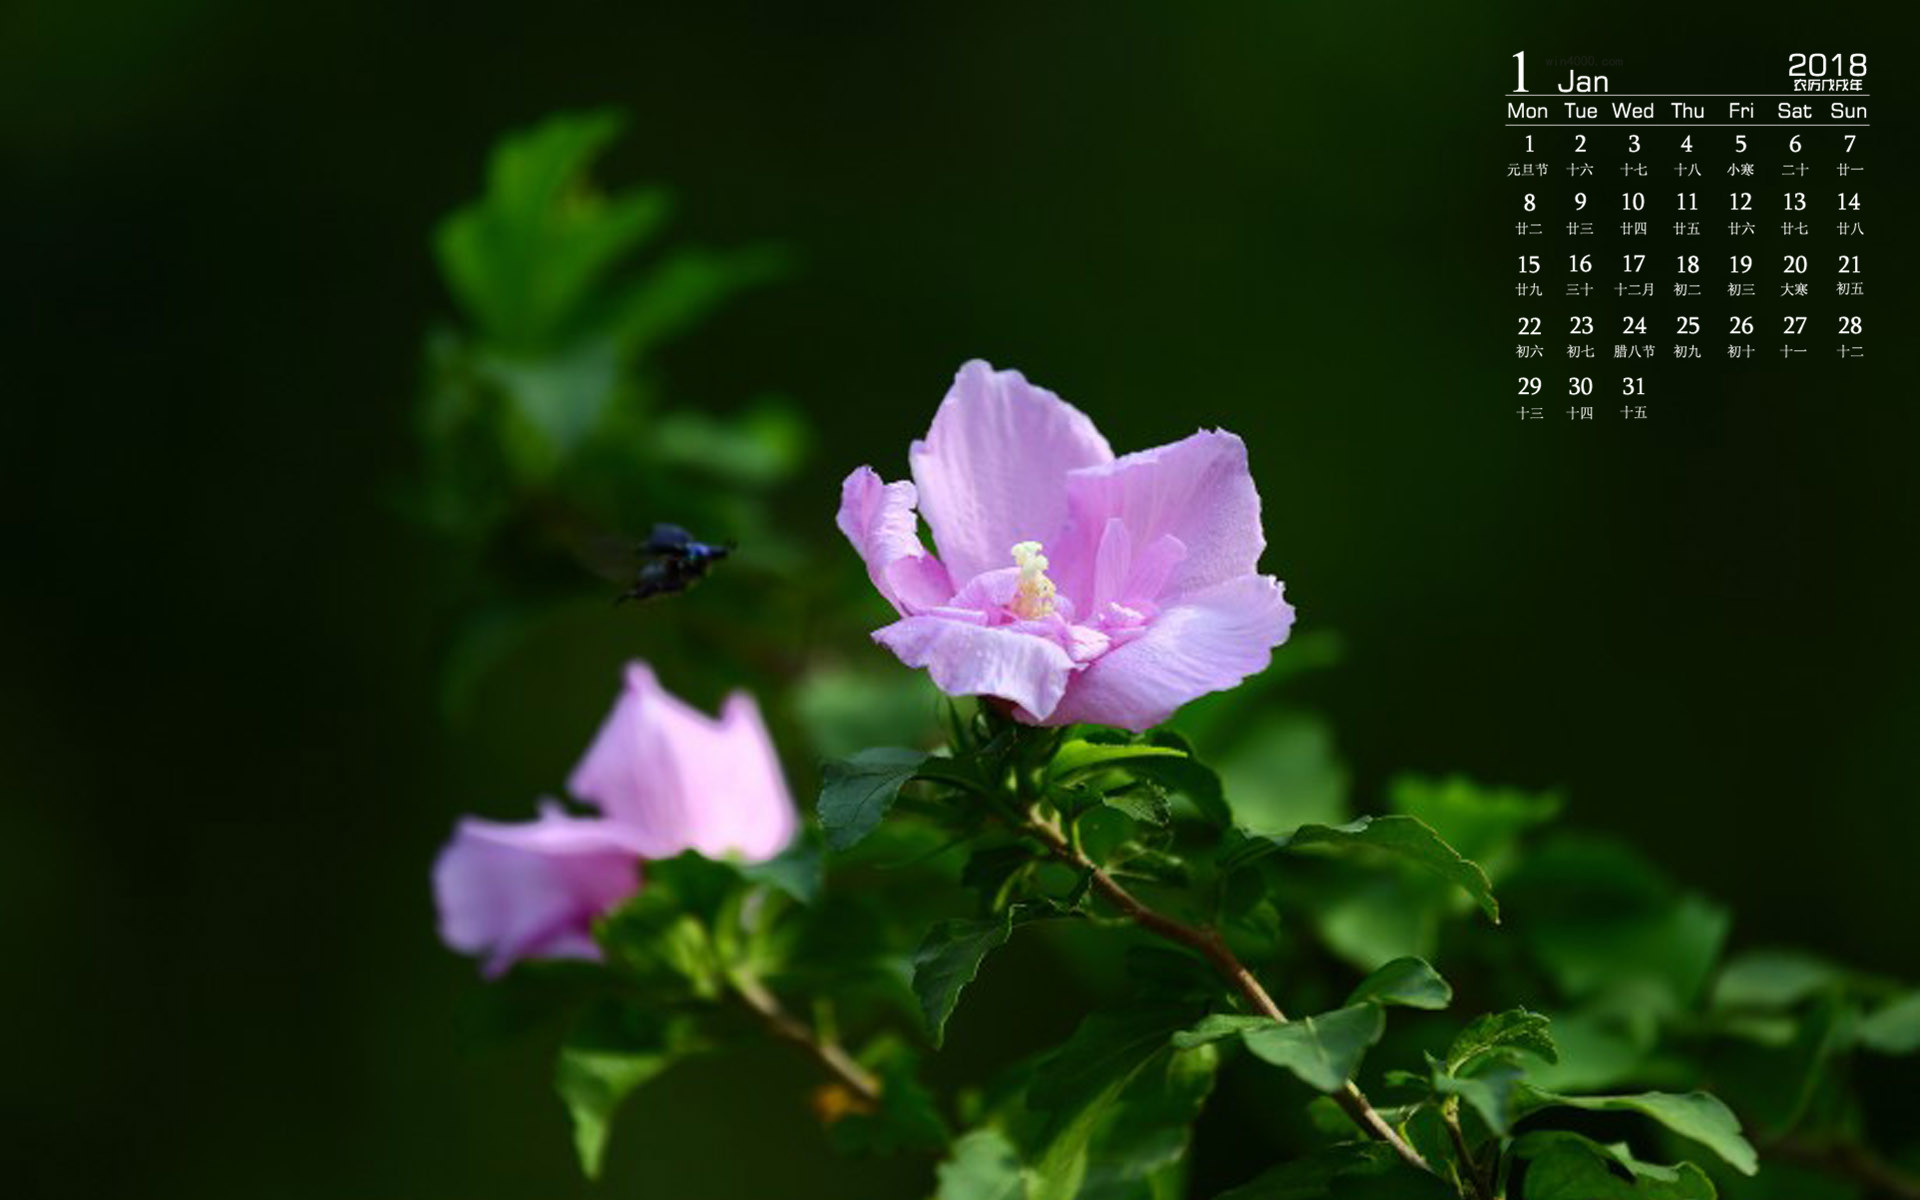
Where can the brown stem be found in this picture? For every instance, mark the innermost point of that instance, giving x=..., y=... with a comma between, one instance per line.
x=1210, y=944
x=789, y=1028
x=1450, y=1113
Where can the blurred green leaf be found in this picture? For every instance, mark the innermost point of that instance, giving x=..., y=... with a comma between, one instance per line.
x=907, y=1118
x=1139, y=1150
x=1285, y=774
x=1893, y=1028
x=983, y=1165
x=610, y=1055
x=1771, y=979
x=761, y=447
x=799, y=870
x=1605, y=922
x=1484, y=824
x=1079, y=1085
x=856, y=792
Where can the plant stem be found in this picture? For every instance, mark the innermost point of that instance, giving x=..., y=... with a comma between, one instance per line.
x=1450, y=1114
x=1210, y=945
x=789, y=1028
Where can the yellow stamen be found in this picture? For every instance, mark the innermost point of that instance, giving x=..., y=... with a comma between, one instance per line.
x=1034, y=597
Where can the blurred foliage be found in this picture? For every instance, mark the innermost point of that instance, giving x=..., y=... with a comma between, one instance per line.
x=1539, y=1013
x=549, y=446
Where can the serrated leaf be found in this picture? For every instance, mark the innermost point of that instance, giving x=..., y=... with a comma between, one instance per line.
x=1566, y=1166
x=1693, y=1115
x=1184, y=775
x=983, y=1165
x=1409, y=982
x=856, y=793
x=948, y=959
x=1402, y=837
x=1491, y=1035
x=1894, y=1028
x=1324, y=1051
x=1147, y=805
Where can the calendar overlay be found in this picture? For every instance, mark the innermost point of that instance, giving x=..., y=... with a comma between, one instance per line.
x=1659, y=237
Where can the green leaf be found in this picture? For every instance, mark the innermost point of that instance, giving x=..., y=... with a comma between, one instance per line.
x=1324, y=1051
x=1693, y=1115
x=1401, y=837
x=1077, y=756
x=1405, y=981
x=1285, y=773
x=1604, y=922
x=908, y=1117
x=1482, y=823
x=799, y=870
x=1145, y=804
x=1140, y=1149
x=611, y=1054
x=1079, y=1084
x=1498, y=1034
x=1566, y=1166
x=1893, y=1029
x=1489, y=1092
x=1187, y=777
x=1348, y=1171
x=983, y=1165
x=856, y=793
x=1771, y=979
x=948, y=959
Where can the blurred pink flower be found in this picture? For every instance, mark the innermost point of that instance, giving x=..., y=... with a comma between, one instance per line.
x=665, y=777
x=1077, y=586
x=681, y=780
x=532, y=890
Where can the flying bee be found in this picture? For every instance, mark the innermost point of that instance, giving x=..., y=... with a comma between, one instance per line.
x=672, y=560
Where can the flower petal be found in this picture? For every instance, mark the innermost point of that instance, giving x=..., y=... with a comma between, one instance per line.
x=879, y=519
x=975, y=660
x=1208, y=642
x=990, y=470
x=1197, y=490
x=533, y=889
x=680, y=780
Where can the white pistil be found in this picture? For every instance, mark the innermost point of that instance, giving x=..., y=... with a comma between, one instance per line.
x=1033, y=598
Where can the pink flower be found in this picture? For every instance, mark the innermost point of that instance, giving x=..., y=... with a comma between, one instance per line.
x=681, y=780
x=665, y=777
x=1077, y=586
x=532, y=890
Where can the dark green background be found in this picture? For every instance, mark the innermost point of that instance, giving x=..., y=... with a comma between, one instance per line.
x=226, y=773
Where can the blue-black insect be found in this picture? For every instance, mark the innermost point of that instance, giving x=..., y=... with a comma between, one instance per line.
x=671, y=560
